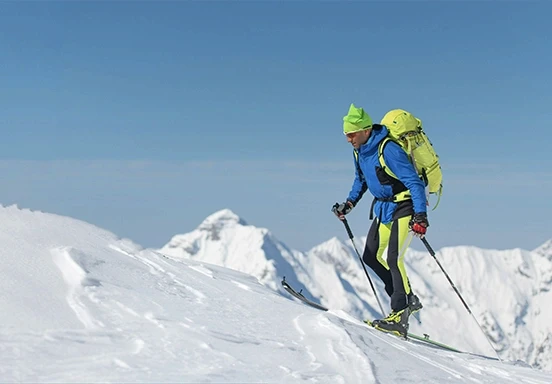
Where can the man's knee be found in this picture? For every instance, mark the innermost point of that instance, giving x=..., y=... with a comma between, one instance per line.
x=369, y=257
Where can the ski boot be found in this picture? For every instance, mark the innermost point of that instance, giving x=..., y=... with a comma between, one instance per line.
x=396, y=322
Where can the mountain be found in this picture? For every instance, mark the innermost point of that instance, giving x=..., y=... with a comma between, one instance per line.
x=79, y=304
x=507, y=292
x=545, y=250
x=225, y=239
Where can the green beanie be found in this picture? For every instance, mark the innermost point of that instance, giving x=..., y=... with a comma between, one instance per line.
x=356, y=120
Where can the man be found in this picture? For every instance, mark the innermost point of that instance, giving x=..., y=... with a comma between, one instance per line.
x=399, y=206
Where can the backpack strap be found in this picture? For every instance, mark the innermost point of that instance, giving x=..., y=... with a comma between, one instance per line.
x=398, y=197
x=398, y=187
x=381, y=159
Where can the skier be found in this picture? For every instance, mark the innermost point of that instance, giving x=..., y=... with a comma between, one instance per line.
x=399, y=206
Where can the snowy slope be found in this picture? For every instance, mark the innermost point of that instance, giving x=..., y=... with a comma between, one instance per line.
x=79, y=304
x=507, y=291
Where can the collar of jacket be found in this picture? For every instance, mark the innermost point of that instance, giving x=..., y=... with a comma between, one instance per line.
x=379, y=132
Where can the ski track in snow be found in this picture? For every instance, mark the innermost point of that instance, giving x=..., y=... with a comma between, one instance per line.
x=240, y=285
x=201, y=269
x=154, y=268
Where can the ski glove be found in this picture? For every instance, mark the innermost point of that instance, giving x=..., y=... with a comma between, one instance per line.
x=418, y=224
x=342, y=209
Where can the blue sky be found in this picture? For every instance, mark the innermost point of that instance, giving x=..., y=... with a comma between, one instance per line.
x=144, y=118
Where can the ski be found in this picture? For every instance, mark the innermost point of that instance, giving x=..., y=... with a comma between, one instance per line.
x=299, y=295
x=427, y=340
x=424, y=339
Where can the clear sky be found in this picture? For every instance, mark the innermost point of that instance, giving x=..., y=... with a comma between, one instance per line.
x=145, y=117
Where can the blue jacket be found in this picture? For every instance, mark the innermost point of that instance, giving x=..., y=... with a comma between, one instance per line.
x=399, y=163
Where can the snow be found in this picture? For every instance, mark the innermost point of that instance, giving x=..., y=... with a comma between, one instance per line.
x=80, y=304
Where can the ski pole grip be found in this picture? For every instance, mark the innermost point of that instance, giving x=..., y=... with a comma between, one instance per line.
x=349, y=232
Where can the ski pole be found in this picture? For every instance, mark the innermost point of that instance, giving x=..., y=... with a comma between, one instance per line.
x=350, y=233
x=432, y=253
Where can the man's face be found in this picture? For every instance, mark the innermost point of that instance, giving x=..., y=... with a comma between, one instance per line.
x=358, y=138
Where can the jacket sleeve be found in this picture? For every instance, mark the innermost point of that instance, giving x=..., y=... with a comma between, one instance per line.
x=398, y=162
x=359, y=186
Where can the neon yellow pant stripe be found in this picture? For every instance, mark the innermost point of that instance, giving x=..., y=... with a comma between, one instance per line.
x=384, y=231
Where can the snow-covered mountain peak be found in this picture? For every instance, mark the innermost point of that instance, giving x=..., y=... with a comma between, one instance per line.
x=225, y=239
x=224, y=218
x=333, y=251
x=215, y=232
x=333, y=244
x=545, y=250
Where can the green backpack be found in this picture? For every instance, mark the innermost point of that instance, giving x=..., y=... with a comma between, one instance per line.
x=406, y=130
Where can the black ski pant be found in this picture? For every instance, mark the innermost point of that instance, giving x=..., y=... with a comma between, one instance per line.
x=395, y=237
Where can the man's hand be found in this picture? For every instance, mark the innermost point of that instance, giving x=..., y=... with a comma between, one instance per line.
x=418, y=224
x=342, y=209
